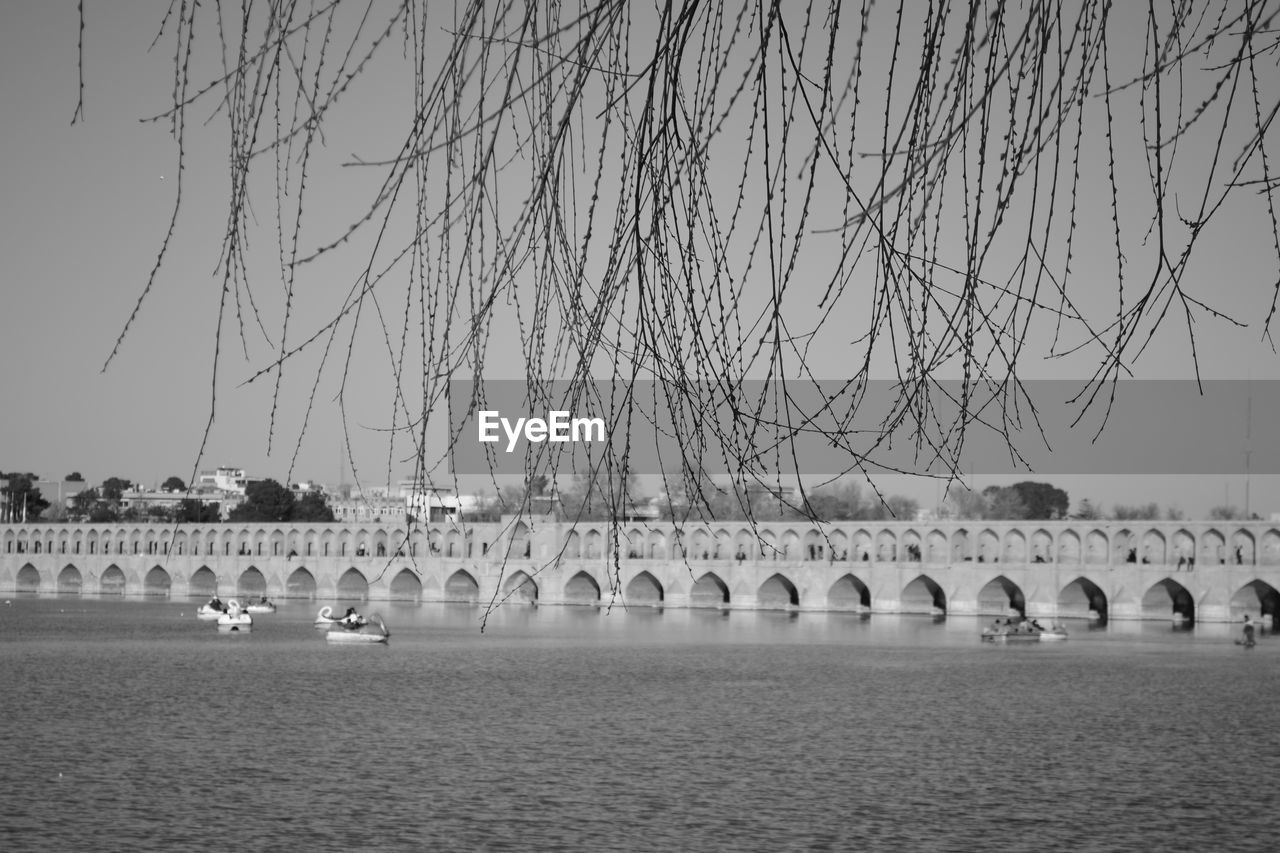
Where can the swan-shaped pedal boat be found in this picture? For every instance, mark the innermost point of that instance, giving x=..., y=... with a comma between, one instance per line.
x=262, y=606
x=235, y=619
x=371, y=630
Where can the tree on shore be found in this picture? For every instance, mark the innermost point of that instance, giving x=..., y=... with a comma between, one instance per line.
x=264, y=500
x=173, y=484
x=25, y=501
x=113, y=488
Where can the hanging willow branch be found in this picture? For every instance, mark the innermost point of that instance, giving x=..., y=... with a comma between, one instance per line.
x=707, y=192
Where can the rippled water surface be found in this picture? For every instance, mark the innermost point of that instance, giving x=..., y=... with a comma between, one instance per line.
x=130, y=725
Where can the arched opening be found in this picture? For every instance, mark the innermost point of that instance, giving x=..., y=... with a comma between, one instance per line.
x=157, y=582
x=709, y=591
x=643, y=591
x=353, y=585
x=251, y=584
x=1082, y=599
x=924, y=595
x=520, y=589
x=1015, y=547
x=777, y=593
x=520, y=547
x=1001, y=597
x=1069, y=548
x=29, y=579
x=1169, y=599
x=1257, y=599
x=300, y=584
x=203, y=582
x=69, y=581
x=406, y=586
x=849, y=593
x=461, y=586
x=581, y=589
x=112, y=581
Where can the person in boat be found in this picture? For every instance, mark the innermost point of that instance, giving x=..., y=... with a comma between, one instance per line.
x=1248, y=630
x=216, y=604
x=352, y=619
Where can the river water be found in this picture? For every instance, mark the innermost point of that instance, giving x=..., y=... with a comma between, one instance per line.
x=130, y=725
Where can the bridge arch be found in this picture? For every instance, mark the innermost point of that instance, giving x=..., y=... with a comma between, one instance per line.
x=251, y=583
x=644, y=590
x=462, y=586
x=1082, y=599
x=520, y=589
x=1124, y=547
x=1069, y=551
x=777, y=593
x=862, y=544
x=961, y=546
x=1001, y=596
x=1015, y=547
x=1167, y=599
x=1213, y=548
x=1257, y=598
x=112, y=581
x=936, y=550
x=157, y=582
x=593, y=545
x=1242, y=545
x=581, y=589
x=923, y=595
x=301, y=584
x=1153, y=548
x=1184, y=547
x=1097, y=548
x=1270, y=555
x=353, y=585
x=709, y=591
x=886, y=547
x=406, y=586
x=202, y=582
x=988, y=546
x=1041, y=547
x=69, y=580
x=849, y=593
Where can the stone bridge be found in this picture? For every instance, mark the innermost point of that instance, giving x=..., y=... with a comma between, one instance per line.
x=1183, y=571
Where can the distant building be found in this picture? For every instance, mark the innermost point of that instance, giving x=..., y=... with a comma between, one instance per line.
x=228, y=480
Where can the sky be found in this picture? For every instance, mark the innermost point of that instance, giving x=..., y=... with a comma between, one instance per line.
x=84, y=209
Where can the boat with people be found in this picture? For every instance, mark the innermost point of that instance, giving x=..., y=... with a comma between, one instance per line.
x=262, y=606
x=235, y=619
x=211, y=610
x=1022, y=631
x=354, y=628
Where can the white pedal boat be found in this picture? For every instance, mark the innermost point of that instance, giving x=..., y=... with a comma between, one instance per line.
x=372, y=631
x=235, y=619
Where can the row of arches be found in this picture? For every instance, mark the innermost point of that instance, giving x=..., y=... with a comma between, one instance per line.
x=1096, y=547
x=1052, y=544
x=1081, y=598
